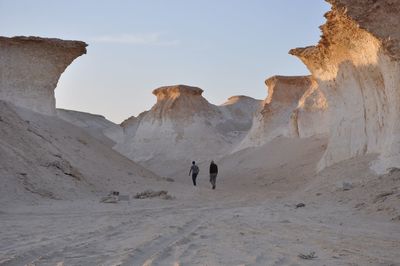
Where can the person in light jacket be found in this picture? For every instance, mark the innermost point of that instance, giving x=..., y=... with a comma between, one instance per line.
x=194, y=170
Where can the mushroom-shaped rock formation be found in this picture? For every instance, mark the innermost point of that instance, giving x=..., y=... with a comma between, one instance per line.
x=179, y=102
x=168, y=92
x=30, y=68
x=356, y=65
x=183, y=126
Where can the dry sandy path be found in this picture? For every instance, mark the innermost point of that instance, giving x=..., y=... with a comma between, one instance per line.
x=220, y=230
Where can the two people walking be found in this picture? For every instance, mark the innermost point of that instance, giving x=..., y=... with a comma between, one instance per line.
x=194, y=170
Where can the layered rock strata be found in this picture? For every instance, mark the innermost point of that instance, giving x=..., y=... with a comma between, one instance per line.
x=30, y=68
x=356, y=66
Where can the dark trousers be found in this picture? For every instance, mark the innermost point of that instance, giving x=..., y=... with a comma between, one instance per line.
x=213, y=179
x=194, y=176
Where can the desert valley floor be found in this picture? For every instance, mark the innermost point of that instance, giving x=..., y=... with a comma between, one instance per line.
x=252, y=222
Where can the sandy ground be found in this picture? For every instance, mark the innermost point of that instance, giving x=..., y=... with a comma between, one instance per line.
x=250, y=219
x=215, y=229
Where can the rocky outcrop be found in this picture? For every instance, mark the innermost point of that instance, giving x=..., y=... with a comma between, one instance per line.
x=183, y=126
x=179, y=102
x=356, y=66
x=292, y=105
x=30, y=68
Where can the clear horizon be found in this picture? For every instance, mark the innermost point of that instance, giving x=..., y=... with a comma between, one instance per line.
x=226, y=48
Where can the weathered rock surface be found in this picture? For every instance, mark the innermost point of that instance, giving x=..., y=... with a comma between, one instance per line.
x=183, y=126
x=292, y=107
x=179, y=103
x=356, y=66
x=310, y=117
x=30, y=68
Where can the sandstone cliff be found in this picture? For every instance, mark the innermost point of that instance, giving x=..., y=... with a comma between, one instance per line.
x=356, y=65
x=30, y=68
x=292, y=107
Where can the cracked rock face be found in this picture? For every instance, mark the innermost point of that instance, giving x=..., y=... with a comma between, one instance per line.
x=356, y=66
x=30, y=68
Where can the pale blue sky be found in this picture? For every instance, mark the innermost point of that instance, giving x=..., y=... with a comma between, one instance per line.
x=226, y=47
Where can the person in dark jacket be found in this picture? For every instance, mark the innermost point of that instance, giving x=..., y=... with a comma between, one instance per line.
x=213, y=174
x=194, y=170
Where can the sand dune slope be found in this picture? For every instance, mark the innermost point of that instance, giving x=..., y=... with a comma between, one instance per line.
x=45, y=157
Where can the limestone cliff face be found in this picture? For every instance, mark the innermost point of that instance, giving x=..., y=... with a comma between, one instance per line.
x=356, y=66
x=30, y=68
x=183, y=126
x=292, y=105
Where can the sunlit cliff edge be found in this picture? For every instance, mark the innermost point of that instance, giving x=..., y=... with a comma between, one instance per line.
x=356, y=66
